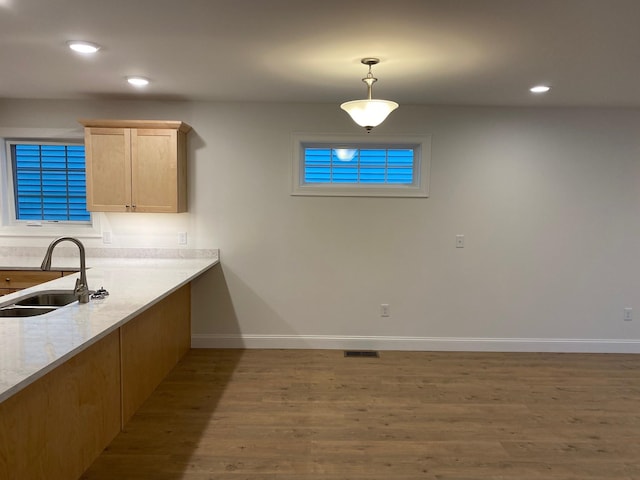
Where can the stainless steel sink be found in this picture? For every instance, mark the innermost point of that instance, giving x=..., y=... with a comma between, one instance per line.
x=37, y=303
x=14, y=311
x=48, y=299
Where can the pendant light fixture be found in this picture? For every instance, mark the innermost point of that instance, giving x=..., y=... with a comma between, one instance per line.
x=370, y=112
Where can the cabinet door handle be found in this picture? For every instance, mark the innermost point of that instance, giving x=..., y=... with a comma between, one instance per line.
x=7, y=279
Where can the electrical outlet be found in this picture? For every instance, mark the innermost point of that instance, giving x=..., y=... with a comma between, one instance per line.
x=459, y=241
x=182, y=238
x=385, y=310
x=628, y=314
x=106, y=237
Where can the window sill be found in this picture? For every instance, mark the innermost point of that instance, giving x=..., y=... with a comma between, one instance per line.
x=338, y=191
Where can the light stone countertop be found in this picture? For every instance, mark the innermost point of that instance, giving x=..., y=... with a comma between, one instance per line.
x=32, y=346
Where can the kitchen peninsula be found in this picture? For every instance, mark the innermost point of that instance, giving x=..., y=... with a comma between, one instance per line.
x=70, y=379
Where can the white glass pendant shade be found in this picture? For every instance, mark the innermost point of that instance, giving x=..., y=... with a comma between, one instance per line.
x=369, y=113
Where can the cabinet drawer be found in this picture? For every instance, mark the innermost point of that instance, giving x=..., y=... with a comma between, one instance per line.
x=15, y=279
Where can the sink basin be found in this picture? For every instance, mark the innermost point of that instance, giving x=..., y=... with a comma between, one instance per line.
x=37, y=303
x=48, y=299
x=14, y=311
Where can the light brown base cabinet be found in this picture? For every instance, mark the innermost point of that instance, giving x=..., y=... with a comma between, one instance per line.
x=56, y=427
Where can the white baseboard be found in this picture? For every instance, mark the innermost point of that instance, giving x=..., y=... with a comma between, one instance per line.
x=330, y=342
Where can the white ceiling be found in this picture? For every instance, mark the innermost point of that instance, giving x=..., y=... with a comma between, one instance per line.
x=461, y=52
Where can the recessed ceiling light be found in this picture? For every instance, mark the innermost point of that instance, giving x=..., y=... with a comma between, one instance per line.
x=138, y=81
x=540, y=89
x=83, y=47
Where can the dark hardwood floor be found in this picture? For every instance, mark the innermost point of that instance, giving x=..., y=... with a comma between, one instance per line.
x=313, y=414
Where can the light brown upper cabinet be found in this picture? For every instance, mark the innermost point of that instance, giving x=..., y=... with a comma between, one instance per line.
x=136, y=165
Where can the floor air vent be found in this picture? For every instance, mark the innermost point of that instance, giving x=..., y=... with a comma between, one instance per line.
x=361, y=353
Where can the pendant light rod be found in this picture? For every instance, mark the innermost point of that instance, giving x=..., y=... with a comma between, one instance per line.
x=370, y=79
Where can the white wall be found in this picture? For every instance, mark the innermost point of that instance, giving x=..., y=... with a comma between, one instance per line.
x=547, y=200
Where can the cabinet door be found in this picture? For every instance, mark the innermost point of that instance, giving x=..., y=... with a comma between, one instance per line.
x=154, y=170
x=150, y=346
x=55, y=427
x=108, y=156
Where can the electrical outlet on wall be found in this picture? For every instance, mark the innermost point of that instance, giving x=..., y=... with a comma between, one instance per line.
x=106, y=237
x=628, y=314
x=385, y=310
x=182, y=238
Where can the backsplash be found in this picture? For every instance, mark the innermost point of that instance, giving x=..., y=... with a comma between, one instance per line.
x=112, y=252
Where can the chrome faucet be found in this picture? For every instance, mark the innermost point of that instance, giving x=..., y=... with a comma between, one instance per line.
x=81, y=290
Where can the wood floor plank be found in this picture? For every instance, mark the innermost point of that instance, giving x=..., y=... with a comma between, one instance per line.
x=296, y=414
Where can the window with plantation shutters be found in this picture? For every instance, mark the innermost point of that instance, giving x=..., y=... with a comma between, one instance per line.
x=49, y=182
x=325, y=165
x=369, y=166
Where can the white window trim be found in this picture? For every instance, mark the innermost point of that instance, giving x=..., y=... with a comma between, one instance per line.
x=9, y=226
x=420, y=188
